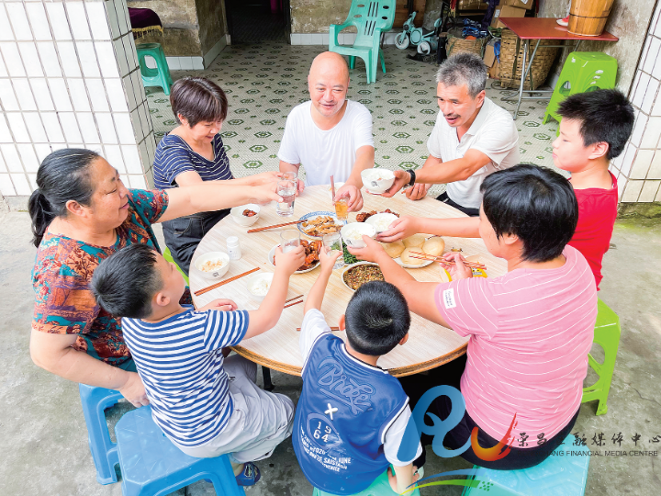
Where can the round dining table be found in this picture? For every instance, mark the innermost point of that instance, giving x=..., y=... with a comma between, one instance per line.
x=429, y=344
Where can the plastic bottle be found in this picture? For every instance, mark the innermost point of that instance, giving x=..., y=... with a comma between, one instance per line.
x=234, y=248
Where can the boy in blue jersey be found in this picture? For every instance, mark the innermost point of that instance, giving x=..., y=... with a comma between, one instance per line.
x=205, y=404
x=351, y=415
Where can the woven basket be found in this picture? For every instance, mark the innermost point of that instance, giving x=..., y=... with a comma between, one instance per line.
x=457, y=45
x=509, y=60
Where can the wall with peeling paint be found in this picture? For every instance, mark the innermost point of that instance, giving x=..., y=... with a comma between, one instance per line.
x=314, y=16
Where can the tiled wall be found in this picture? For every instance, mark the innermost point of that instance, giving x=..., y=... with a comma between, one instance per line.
x=638, y=169
x=69, y=77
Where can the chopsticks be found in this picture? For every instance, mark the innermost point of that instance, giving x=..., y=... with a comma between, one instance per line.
x=298, y=329
x=295, y=302
x=333, y=188
x=260, y=229
x=472, y=265
x=222, y=283
x=294, y=298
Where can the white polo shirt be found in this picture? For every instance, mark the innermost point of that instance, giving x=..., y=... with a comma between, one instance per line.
x=493, y=132
x=323, y=153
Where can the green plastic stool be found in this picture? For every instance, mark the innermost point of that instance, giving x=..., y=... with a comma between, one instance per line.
x=167, y=255
x=607, y=335
x=582, y=71
x=370, y=20
x=154, y=77
x=380, y=487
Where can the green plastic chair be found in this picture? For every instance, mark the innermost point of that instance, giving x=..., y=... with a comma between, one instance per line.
x=607, y=335
x=167, y=255
x=154, y=77
x=380, y=487
x=582, y=71
x=370, y=18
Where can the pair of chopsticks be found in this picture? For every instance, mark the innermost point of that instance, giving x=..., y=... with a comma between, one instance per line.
x=298, y=329
x=222, y=283
x=424, y=256
x=260, y=229
x=295, y=302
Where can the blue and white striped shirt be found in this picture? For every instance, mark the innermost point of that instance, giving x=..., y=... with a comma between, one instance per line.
x=181, y=365
x=174, y=156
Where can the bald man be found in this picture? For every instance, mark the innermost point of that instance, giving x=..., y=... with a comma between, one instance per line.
x=329, y=134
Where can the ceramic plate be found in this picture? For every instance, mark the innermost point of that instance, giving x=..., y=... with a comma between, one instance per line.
x=312, y=215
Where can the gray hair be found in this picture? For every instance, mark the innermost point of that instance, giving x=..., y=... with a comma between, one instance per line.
x=464, y=69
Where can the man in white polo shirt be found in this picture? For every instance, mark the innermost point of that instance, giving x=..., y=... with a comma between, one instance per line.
x=472, y=138
x=329, y=134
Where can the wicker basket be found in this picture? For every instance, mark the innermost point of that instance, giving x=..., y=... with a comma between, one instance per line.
x=509, y=60
x=457, y=45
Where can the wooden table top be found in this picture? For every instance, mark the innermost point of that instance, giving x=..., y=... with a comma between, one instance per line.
x=545, y=28
x=429, y=344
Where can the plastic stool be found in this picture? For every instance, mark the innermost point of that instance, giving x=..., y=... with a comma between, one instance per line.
x=582, y=71
x=564, y=475
x=154, y=77
x=152, y=465
x=167, y=255
x=104, y=452
x=607, y=335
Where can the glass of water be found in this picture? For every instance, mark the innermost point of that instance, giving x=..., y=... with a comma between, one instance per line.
x=287, y=190
x=333, y=242
x=290, y=239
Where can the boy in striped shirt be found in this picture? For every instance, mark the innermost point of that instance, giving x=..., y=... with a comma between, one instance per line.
x=205, y=404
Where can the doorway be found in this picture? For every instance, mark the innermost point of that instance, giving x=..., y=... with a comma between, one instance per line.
x=257, y=21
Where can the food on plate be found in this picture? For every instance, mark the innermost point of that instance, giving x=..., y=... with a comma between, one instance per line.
x=249, y=213
x=363, y=216
x=434, y=246
x=408, y=258
x=312, y=249
x=356, y=276
x=349, y=259
x=211, y=265
x=318, y=226
x=395, y=249
x=260, y=286
x=416, y=240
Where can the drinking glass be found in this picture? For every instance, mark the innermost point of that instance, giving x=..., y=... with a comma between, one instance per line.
x=342, y=209
x=333, y=242
x=286, y=188
x=290, y=239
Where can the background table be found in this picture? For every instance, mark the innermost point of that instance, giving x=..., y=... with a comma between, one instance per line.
x=542, y=28
x=429, y=344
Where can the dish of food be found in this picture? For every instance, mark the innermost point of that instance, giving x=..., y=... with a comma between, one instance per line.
x=363, y=272
x=363, y=216
x=381, y=221
x=402, y=251
x=318, y=223
x=312, y=249
x=377, y=181
x=353, y=233
x=211, y=265
x=249, y=213
x=258, y=285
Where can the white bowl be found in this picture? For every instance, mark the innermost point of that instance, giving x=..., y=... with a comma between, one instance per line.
x=377, y=181
x=255, y=279
x=210, y=257
x=349, y=267
x=242, y=220
x=330, y=191
x=385, y=218
x=363, y=228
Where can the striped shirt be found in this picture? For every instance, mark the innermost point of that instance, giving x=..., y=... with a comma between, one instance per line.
x=174, y=156
x=181, y=365
x=530, y=334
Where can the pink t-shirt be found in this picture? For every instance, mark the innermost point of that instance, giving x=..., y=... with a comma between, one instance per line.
x=530, y=334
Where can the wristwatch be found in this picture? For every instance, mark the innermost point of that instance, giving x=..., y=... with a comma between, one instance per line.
x=412, y=174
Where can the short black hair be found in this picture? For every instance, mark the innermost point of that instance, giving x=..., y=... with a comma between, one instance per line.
x=125, y=282
x=534, y=203
x=605, y=115
x=198, y=99
x=377, y=318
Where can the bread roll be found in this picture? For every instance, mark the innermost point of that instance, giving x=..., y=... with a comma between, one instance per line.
x=393, y=249
x=434, y=246
x=415, y=240
x=407, y=259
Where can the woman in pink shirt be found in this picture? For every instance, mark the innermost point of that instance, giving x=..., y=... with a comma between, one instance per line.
x=530, y=330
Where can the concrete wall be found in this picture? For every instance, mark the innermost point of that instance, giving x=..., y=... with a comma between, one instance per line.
x=314, y=16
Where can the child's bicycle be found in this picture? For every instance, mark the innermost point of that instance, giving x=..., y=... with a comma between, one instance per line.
x=426, y=43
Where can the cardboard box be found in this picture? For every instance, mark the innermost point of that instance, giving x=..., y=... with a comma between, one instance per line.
x=506, y=11
x=489, y=55
x=520, y=4
x=494, y=72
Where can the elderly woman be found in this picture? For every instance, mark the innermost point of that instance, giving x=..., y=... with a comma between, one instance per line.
x=530, y=330
x=191, y=153
x=81, y=213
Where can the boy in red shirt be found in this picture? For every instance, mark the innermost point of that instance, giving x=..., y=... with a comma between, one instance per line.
x=595, y=127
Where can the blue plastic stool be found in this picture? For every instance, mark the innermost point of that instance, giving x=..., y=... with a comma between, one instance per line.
x=564, y=475
x=154, y=77
x=104, y=452
x=152, y=465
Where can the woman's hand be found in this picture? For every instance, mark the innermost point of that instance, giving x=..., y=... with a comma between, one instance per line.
x=221, y=304
x=134, y=390
x=457, y=270
x=371, y=251
x=265, y=194
x=401, y=228
x=351, y=192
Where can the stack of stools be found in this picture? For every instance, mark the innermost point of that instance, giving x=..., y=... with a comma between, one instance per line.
x=159, y=76
x=583, y=71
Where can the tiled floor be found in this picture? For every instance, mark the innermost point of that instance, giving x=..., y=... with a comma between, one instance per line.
x=263, y=82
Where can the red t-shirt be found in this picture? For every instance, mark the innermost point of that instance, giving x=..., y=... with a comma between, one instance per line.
x=597, y=210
